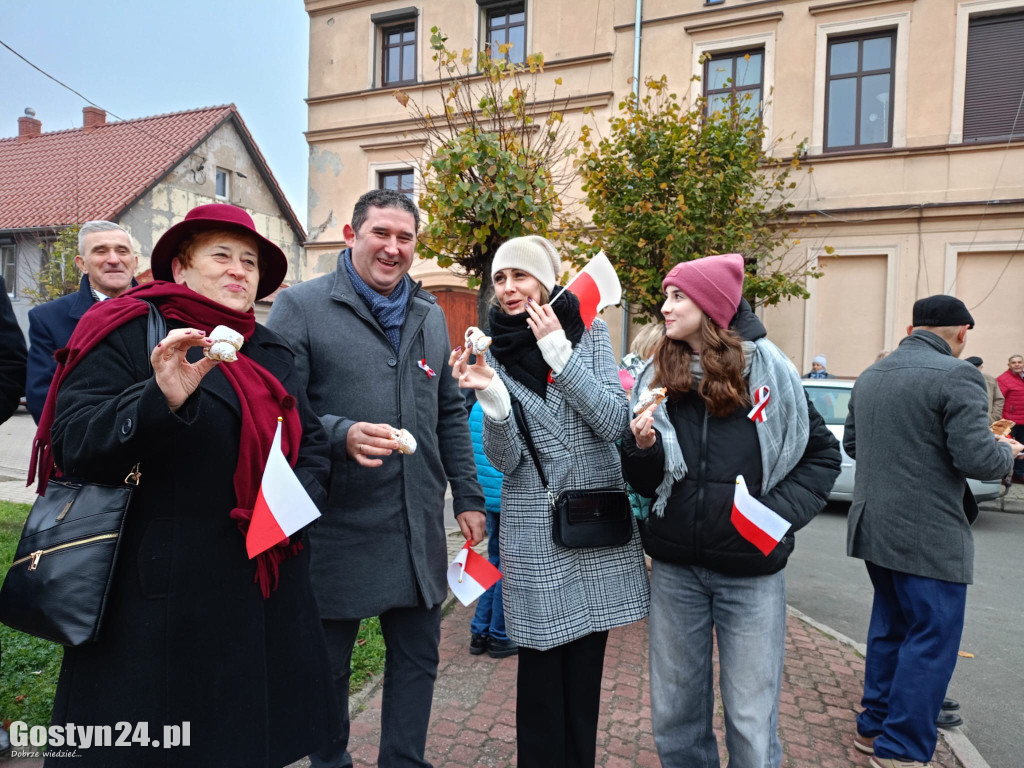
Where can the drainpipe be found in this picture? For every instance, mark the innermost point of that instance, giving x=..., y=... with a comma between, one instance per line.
x=637, y=23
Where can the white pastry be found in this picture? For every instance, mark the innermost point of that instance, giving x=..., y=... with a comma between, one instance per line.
x=226, y=344
x=476, y=340
x=406, y=442
x=648, y=398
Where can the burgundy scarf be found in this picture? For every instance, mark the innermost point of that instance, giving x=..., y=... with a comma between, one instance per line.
x=261, y=398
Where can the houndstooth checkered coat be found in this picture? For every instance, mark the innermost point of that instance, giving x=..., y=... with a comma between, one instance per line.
x=554, y=595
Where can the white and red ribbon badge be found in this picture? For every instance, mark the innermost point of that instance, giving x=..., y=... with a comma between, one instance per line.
x=761, y=396
x=431, y=373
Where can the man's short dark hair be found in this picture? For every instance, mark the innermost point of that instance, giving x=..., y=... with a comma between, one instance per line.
x=383, y=198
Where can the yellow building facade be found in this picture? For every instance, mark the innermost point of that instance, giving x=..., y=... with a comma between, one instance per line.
x=912, y=112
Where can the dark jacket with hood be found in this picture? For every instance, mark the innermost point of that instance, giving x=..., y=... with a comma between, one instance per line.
x=696, y=528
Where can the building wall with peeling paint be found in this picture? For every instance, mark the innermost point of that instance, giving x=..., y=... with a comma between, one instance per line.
x=193, y=182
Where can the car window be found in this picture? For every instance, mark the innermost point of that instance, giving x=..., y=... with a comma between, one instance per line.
x=831, y=402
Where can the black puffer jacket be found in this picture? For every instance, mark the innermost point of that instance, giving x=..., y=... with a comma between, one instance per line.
x=696, y=528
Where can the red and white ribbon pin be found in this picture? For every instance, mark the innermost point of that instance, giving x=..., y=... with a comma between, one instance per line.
x=761, y=396
x=431, y=373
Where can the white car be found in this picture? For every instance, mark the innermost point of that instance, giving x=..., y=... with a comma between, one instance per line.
x=832, y=399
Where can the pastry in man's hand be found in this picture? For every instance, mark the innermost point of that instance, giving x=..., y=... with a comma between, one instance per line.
x=1002, y=427
x=226, y=344
x=649, y=398
x=477, y=341
x=406, y=442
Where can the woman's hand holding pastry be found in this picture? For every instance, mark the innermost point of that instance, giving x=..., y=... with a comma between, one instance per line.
x=175, y=375
x=642, y=428
x=471, y=376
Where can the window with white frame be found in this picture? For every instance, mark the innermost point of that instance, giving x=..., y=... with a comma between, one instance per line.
x=223, y=190
x=9, y=267
x=735, y=75
x=859, y=92
x=400, y=180
x=994, y=78
x=395, y=33
x=504, y=23
x=717, y=52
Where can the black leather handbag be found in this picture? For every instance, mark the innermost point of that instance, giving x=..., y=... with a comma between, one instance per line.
x=582, y=519
x=58, y=586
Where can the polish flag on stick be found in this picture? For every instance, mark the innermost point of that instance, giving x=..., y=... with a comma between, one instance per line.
x=596, y=286
x=470, y=575
x=282, y=507
x=755, y=522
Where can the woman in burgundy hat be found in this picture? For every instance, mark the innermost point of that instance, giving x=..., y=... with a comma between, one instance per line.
x=195, y=632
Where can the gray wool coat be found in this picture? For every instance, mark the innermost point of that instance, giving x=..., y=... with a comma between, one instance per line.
x=554, y=595
x=381, y=540
x=918, y=427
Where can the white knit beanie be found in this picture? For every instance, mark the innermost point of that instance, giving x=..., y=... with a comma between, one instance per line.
x=532, y=254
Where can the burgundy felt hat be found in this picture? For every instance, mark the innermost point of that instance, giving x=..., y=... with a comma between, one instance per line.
x=202, y=218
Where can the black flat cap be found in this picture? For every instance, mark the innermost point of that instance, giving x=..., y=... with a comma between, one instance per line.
x=975, y=361
x=939, y=311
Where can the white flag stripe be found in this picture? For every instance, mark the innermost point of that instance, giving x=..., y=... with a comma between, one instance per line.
x=757, y=513
x=463, y=586
x=283, y=492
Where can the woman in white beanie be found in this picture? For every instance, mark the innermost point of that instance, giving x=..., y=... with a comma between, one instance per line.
x=559, y=603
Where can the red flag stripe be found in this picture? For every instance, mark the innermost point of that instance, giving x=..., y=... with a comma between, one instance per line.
x=589, y=294
x=752, y=533
x=264, y=531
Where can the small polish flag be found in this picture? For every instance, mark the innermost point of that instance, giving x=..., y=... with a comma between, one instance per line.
x=755, y=522
x=596, y=286
x=470, y=575
x=282, y=507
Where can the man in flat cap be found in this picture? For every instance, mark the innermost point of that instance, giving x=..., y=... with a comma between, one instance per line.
x=917, y=427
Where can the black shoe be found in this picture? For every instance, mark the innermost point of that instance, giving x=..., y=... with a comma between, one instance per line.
x=950, y=705
x=479, y=644
x=501, y=648
x=948, y=720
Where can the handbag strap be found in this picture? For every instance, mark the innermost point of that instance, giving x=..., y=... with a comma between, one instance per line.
x=517, y=412
x=156, y=329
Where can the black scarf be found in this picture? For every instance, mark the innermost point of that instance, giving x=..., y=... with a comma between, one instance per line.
x=515, y=346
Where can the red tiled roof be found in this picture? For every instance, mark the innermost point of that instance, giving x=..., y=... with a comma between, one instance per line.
x=76, y=175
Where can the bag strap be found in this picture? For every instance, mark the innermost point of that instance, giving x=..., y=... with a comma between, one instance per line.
x=156, y=328
x=517, y=412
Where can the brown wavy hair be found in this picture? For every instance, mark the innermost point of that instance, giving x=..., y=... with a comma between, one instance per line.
x=721, y=387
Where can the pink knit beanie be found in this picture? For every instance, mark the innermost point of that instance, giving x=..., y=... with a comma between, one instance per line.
x=714, y=283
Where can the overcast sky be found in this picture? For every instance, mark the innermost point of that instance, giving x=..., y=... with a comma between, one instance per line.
x=136, y=58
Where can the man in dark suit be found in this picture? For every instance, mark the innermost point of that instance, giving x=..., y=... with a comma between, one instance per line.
x=107, y=260
x=917, y=426
x=12, y=358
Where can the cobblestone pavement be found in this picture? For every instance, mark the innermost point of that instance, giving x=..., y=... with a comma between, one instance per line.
x=473, y=719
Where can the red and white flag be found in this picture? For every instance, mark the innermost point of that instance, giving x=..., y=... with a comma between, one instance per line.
x=755, y=522
x=596, y=286
x=470, y=575
x=282, y=507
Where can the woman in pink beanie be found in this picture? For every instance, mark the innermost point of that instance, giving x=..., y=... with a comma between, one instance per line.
x=735, y=410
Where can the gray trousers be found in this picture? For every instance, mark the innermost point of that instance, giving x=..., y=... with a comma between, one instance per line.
x=411, y=638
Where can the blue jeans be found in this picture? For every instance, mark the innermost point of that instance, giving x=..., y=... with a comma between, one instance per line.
x=489, y=618
x=748, y=616
x=913, y=639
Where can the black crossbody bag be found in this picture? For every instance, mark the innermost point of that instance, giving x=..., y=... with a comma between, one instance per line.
x=582, y=519
x=58, y=585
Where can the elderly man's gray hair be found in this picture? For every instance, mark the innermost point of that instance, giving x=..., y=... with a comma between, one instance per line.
x=97, y=226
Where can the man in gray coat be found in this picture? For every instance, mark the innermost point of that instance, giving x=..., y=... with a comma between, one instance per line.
x=372, y=349
x=918, y=427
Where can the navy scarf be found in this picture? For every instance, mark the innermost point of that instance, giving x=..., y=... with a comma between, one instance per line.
x=389, y=311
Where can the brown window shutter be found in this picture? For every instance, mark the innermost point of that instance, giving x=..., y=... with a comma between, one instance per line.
x=995, y=78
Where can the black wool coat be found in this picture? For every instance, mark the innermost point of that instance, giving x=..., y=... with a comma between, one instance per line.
x=187, y=636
